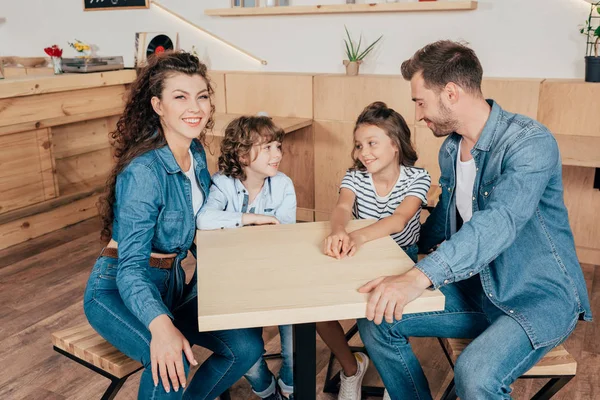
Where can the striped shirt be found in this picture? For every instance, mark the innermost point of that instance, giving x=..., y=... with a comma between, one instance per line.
x=369, y=205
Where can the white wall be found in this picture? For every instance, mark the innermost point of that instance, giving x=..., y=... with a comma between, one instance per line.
x=513, y=38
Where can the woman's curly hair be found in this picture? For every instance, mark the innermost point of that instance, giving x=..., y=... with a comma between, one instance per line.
x=394, y=125
x=137, y=127
x=241, y=135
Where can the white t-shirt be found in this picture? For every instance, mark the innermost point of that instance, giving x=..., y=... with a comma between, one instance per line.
x=465, y=179
x=368, y=204
x=197, y=196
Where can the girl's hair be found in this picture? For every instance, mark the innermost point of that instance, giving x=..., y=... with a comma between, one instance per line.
x=394, y=125
x=241, y=135
x=139, y=129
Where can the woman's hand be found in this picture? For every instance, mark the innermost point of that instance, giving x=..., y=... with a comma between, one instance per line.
x=166, y=347
x=337, y=244
x=258, y=219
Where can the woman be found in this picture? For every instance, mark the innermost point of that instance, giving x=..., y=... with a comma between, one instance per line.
x=136, y=296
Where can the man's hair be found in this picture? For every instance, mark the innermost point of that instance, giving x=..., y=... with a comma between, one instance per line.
x=445, y=61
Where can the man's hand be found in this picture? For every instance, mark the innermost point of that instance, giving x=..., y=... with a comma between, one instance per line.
x=390, y=294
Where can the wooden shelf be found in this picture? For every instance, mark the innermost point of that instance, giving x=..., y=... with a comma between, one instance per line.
x=344, y=8
x=288, y=124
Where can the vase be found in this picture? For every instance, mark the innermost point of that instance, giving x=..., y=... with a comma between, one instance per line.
x=352, y=67
x=57, y=64
x=592, y=69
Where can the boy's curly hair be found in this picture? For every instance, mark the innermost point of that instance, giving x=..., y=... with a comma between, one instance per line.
x=241, y=135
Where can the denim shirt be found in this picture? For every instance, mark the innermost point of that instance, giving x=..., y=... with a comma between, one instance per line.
x=519, y=240
x=228, y=200
x=153, y=213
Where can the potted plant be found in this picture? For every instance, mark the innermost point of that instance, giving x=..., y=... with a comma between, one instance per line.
x=354, y=54
x=591, y=30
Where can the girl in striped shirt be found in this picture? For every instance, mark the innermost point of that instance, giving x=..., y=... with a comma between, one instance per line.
x=383, y=184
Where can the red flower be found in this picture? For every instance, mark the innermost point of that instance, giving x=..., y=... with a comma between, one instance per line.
x=54, y=51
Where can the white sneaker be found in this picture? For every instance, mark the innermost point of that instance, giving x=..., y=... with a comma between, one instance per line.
x=386, y=395
x=350, y=386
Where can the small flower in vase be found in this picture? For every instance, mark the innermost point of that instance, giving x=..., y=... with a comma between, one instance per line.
x=83, y=49
x=55, y=54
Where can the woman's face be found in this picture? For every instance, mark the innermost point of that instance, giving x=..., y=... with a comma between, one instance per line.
x=184, y=107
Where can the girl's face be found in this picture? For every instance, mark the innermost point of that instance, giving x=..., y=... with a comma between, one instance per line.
x=374, y=148
x=184, y=107
x=264, y=160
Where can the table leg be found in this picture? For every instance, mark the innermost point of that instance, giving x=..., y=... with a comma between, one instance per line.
x=305, y=362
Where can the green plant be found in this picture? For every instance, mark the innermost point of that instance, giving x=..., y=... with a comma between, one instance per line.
x=591, y=31
x=354, y=53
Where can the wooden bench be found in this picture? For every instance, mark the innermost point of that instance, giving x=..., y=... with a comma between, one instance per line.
x=83, y=345
x=558, y=366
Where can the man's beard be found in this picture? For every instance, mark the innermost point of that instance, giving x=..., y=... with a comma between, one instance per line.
x=446, y=124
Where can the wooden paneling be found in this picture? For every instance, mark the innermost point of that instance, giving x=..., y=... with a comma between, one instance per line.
x=582, y=201
x=288, y=124
x=83, y=168
x=36, y=225
x=305, y=215
x=81, y=137
x=217, y=80
x=213, y=151
x=428, y=148
x=283, y=95
x=570, y=107
x=515, y=95
x=62, y=83
x=342, y=98
x=333, y=146
x=298, y=164
x=20, y=110
x=26, y=175
x=583, y=151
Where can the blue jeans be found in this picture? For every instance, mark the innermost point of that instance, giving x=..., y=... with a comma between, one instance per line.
x=412, y=251
x=262, y=380
x=234, y=351
x=500, y=352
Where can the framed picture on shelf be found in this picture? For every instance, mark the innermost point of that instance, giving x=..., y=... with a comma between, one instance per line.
x=111, y=5
x=149, y=43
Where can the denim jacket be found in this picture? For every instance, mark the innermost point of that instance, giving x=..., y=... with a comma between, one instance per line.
x=228, y=200
x=519, y=240
x=153, y=213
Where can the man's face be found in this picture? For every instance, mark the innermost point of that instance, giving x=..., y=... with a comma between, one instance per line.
x=430, y=107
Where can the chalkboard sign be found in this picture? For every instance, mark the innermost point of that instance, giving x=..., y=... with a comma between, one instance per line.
x=98, y=5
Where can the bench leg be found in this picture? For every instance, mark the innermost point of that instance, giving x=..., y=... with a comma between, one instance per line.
x=551, y=388
x=115, y=386
x=450, y=392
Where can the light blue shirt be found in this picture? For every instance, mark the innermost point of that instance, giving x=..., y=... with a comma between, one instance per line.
x=228, y=201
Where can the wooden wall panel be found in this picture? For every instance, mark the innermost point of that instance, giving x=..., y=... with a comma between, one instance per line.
x=283, y=95
x=21, y=110
x=213, y=150
x=582, y=201
x=25, y=170
x=89, y=168
x=583, y=151
x=570, y=107
x=333, y=146
x=217, y=79
x=81, y=137
x=428, y=148
x=298, y=164
x=26, y=228
x=342, y=98
x=513, y=94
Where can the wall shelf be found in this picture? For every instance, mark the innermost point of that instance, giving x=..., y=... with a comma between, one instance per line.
x=344, y=8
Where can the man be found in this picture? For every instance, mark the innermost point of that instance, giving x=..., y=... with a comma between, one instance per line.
x=504, y=252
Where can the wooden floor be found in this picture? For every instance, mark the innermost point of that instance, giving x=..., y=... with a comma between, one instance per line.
x=41, y=290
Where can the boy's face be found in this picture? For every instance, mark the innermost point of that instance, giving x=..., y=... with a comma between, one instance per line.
x=264, y=159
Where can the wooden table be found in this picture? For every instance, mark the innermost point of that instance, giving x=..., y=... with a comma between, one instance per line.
x=278, y=275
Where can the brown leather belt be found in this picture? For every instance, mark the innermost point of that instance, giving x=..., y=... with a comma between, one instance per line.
x=162, y=263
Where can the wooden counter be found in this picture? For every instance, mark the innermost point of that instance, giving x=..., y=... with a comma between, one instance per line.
x=54, y=149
